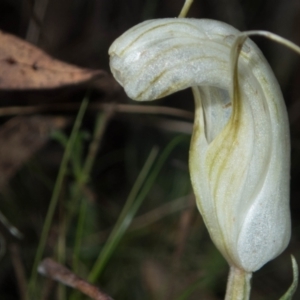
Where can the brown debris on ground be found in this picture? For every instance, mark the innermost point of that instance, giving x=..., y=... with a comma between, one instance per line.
x=24, y=66
x=21, y=138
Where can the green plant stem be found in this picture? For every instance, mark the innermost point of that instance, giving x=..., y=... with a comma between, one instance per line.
x=122, y=222
x=79, y=234
x=55, y=195
x=132, y=205
x=61, y=249
x=292, y=289
x=185, y=9
x=101, y=122
x=238, y=285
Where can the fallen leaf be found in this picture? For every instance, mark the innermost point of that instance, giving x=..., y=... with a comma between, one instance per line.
x=20, y=138
x=24, y=66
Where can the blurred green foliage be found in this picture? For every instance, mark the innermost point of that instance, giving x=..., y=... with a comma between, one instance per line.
x=155, y=247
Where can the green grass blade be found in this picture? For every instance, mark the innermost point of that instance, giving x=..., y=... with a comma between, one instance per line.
x=55, y=195
x=100, y=127
x=121, y=226
x=132, y=205
x=82, y=179
x=79, y=234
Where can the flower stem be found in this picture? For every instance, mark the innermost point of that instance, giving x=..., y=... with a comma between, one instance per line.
x=238, y=285
x=185, y=9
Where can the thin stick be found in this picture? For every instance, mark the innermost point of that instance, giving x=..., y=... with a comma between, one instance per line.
x=185, y=9
x=118, y=108
x=50, y=268
x=183, y=231
x=48, y=289
x=162, y=211
x=147, y=218
x=19, y=270
x=12, y=229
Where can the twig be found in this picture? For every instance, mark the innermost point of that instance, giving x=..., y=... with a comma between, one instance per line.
x=2, y=246
x=12, y=229
x=170, y=125
x=48, y=289
x=19, y=270
x=184, y=225
x=50, y=268
x=118, y=108
x=147, y=218
x=185, y=222
x=162, y=211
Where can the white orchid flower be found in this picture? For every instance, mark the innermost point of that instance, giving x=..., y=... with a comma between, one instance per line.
x=240, y=149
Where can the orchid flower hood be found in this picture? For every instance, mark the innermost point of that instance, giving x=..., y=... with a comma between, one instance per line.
x=240, y=149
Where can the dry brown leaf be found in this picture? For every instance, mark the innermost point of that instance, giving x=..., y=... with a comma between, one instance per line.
x=20, y=138
x=24, y=66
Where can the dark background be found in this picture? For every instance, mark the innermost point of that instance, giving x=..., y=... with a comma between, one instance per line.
x=159, y=258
